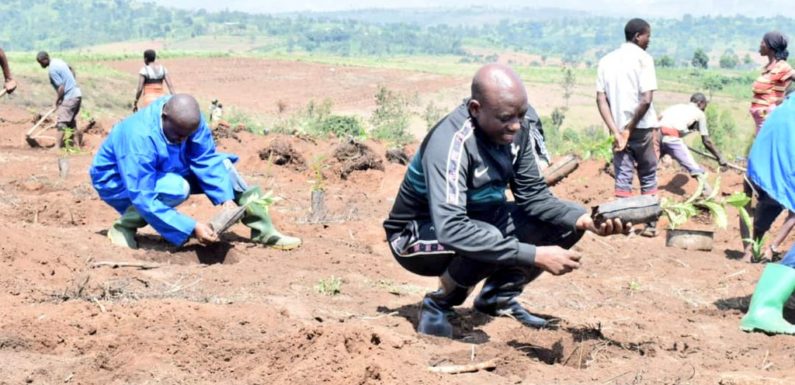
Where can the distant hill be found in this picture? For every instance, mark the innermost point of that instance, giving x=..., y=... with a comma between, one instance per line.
x=547, y=32
x=469, y=16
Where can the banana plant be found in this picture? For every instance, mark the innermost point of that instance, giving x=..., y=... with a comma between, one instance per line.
x=679, y=213
x=739, y=200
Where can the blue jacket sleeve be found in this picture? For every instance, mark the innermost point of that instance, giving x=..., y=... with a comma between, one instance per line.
x=208, y=165
x=137, y=168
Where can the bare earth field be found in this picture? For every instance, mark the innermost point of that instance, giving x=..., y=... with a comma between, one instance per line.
x=235, y=313
x=260, y=85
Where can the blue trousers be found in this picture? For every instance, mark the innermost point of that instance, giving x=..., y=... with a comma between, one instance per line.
x=789, y=258
x=173, y=189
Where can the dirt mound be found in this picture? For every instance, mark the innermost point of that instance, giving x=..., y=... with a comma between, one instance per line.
x=397, y=156
x=95, y=128
x=224, y=130
x=335, y=355
x=281, y=153
x=355, y=156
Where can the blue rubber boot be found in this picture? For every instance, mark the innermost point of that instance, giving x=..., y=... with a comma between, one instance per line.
x=437, y=307
x=498, y=296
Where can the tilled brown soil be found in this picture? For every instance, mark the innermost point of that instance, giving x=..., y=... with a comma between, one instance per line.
x=635, y=313
x=267, y=86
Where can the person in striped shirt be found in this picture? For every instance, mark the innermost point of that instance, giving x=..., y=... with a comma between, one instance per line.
x=770, y=86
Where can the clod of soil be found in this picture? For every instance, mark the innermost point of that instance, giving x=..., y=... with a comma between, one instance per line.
x=355, y=156
x=93, y=127
x=281, y=153
x=397, y=155
x=224, y=131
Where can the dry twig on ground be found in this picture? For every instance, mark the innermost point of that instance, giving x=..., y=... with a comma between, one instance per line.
x=471, y=368
x=117, y=264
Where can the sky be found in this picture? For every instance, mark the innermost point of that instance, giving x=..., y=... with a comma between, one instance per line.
x=641, y=8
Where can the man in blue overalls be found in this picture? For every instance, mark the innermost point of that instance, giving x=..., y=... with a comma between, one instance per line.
x=152, y=161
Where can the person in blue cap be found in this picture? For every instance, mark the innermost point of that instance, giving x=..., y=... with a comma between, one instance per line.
x=152, y=161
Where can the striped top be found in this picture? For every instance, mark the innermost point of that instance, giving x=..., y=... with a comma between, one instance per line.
x=769, y=87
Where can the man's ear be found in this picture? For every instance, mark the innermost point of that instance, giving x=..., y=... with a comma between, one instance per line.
x=474, y=108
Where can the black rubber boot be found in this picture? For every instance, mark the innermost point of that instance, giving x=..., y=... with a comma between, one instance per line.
x=498, y=296
x=437, y=307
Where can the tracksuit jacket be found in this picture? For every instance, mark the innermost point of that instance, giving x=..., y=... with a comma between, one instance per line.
x=458, y=174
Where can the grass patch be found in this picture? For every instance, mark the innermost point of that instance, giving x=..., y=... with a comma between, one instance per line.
x=330, y=286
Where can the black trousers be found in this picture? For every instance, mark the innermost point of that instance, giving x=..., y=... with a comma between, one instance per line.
x=418, y=251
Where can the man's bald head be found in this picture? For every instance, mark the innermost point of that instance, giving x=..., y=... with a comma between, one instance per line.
x=181, y=117
x=498, y=103
x=495, y=80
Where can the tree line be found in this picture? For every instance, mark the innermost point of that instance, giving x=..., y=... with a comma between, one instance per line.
x=577, y=38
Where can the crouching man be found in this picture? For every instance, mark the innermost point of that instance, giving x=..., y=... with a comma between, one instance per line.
x=451, y=218
x=152, y=161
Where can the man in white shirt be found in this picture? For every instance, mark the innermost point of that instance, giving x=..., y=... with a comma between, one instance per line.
x=625, y=85
x=679, y=121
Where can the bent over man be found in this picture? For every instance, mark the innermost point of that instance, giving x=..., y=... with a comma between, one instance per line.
x=680, y=120
x=152, y=161
x=451, y=218
x=68, y=97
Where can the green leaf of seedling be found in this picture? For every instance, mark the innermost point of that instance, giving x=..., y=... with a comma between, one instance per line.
x=718, y=213
x=698, y=192
x=738, y=199
x=715, y=189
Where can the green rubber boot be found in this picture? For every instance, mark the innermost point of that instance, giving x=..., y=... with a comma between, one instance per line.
x=259, y=220
x=122, y=232
x=767, y=304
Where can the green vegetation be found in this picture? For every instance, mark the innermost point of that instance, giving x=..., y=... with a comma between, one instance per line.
x=330, y=286
x=316, y=120
x=729, y=59
x=679, y=213
x=739, y=201
x=318, y=165
x=432, y=115
x=343, y=126
x=574, y=37
x=700, y=59
x=237, y=118
x=390, y=119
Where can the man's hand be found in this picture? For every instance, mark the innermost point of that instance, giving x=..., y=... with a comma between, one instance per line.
x=610, y=227
x=621, y=140
x=10, y=85
x=556, y=260
x=722, y=162
x=205, y=234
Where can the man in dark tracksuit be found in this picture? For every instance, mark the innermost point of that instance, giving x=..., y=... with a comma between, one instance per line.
x=451, y=218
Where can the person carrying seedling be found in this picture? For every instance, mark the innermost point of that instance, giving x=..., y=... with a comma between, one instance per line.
x=625, y=85
x=680, y=120
x=771, y=170
x=10, y=84
x=153, y=160
x=451, y=218
x=68, y=97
